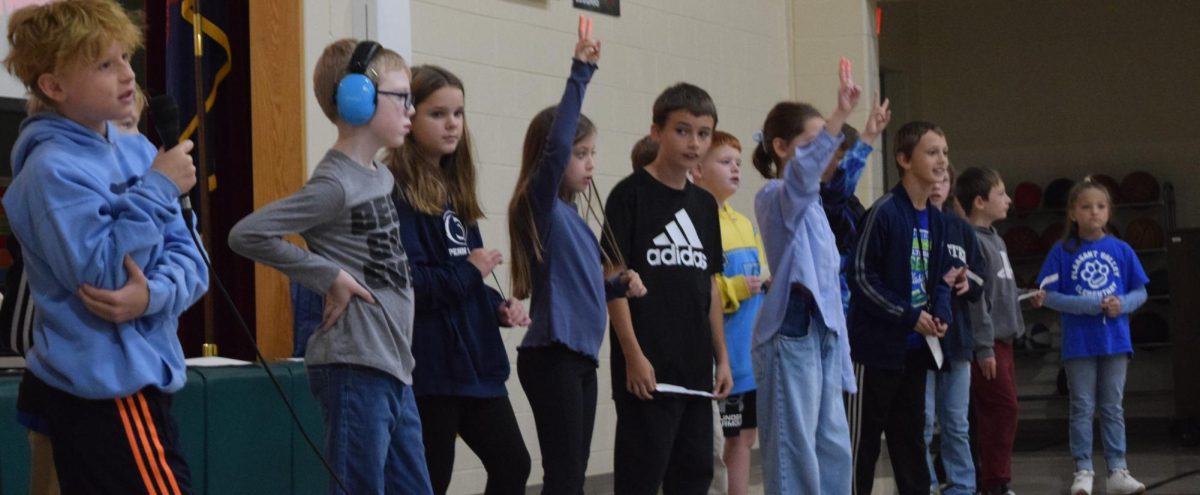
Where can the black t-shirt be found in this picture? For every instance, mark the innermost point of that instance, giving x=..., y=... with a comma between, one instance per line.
x=672, y=238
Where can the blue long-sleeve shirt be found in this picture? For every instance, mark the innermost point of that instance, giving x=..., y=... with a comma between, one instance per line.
x=568, y=301
x=1077, y=280
x=843, y=208
x=79, y=204
x=800, y=246
x=837, y=196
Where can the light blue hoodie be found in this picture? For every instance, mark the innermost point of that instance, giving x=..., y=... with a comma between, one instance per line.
x=79, y=203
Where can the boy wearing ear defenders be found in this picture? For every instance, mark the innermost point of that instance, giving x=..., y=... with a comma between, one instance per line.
x=359, y=360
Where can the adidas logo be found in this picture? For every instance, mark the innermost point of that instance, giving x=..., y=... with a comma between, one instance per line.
x=680, y=245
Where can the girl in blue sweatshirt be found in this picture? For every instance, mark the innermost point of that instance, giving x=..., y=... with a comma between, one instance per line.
x=557, y=261
x=1095, y=280
x=461, y=362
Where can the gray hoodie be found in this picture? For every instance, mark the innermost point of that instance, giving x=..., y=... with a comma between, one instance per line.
x=997, y=315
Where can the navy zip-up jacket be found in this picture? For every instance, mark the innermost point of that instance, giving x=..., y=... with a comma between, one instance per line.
x=880, y=276
x=456, y=333
x=962, y=248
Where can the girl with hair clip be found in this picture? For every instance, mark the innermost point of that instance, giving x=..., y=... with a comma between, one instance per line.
x=462, y=366
x=800, y=350
x=1095, y=281
x=557, y=261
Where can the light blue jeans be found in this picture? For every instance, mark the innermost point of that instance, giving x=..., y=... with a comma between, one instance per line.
x=372, y=430
x=947, y=397
x=1097, y=383
x=801, y=414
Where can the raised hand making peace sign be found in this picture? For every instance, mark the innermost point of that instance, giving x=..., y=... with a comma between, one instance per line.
x=587, y=49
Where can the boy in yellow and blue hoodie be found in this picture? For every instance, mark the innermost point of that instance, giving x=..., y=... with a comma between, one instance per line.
x=741, y=286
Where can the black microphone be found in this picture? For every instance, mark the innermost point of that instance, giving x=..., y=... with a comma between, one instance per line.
x=165, y=112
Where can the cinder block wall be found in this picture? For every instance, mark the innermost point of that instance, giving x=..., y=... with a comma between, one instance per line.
x=514, y=55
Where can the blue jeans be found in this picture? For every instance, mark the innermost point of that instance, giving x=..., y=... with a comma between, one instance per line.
x=947, y=395
x=1097, y=383
x=372, y=430
x=801, y=414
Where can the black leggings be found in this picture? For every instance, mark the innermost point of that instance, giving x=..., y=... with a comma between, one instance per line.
x=561, y=387
x=489, y=428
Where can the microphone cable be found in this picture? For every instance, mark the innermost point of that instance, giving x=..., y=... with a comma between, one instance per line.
x=262, y=360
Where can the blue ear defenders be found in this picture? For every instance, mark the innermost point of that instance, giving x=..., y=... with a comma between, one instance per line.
x=356, y=91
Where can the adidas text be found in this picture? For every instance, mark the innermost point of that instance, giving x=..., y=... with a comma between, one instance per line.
x=677, y=256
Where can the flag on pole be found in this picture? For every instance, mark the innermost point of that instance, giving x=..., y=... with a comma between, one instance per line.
x=184, y=45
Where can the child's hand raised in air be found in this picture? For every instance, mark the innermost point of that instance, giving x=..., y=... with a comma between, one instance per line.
x=344, y=289
x=587, y=49
x=848, y=92
x=881, y=114
x=847, y=99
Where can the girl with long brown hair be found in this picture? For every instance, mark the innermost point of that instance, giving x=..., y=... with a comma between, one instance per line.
x=557, y=261
x=462, y=366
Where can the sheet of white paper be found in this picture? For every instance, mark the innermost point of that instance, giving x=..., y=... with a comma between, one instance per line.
x=215, y=361
x=667, y=388
x=1027, y=295
x=935, y=347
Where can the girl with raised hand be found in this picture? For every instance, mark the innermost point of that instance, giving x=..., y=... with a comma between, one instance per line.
x=557, y=261
x=800, y=350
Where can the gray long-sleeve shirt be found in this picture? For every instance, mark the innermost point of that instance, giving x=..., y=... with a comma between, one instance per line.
x=997, y=315
x=346, y=215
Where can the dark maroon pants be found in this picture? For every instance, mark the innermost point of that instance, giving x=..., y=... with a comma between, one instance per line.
x=995, y=404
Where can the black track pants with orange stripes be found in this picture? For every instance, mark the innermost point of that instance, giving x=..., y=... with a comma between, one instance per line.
x=128, y=445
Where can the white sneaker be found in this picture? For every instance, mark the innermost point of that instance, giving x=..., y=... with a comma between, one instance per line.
x=1121, y=483
x=1083, y=483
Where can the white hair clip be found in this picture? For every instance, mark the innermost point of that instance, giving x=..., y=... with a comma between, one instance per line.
x=758, y=138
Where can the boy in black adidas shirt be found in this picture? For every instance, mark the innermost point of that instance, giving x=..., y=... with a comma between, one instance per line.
x=667, y=229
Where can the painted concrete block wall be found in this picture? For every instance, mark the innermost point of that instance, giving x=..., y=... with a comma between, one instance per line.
x=1039, y=90
x=513, y=56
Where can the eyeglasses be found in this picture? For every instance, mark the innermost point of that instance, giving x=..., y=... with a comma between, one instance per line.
x=405, y=99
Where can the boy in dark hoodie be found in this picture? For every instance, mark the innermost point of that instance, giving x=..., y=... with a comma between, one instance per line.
x=899, y=306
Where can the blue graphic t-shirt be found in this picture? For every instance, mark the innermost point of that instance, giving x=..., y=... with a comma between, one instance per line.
x=1100, y=268
x=919, y=261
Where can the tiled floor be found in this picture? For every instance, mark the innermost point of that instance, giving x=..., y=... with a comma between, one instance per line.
x=1043, y=466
